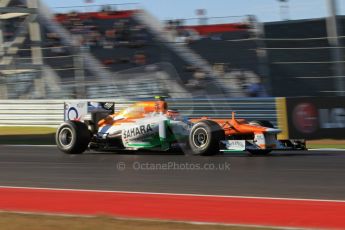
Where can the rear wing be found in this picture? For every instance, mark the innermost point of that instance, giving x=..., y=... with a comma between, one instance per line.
x=86, y=110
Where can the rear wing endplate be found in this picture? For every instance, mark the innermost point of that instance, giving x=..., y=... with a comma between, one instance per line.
x=82, y=110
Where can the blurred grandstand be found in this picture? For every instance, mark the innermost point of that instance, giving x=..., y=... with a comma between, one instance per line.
x=123, y=51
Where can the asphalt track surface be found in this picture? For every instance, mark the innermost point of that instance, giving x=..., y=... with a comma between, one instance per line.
x=307, y=174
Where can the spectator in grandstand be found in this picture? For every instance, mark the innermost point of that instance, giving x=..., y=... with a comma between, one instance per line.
x=108, y=61
x=122, y=31
x=138, y=36
x=219, y=68
x=107, y=8
x=140, y=59
x=171, y=29
x=187, y=36
x=94, y=37
x=255, y=88
x=53, y=41
x=199, y=74
x=252, y=22
x=110, y=34
x=73, y=17
x=169, y=25
x=198, y=79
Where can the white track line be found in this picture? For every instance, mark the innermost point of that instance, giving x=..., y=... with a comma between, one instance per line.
x=328, y=149
x=171, y=194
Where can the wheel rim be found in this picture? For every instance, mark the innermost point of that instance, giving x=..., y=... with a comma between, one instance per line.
x=66, y=137
x=200, y=137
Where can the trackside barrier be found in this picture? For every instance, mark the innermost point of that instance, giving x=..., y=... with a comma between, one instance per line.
x=51, y=112
x=31, y=112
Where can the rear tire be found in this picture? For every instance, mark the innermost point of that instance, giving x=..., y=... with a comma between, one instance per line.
x=205, y=137
x=72, y=137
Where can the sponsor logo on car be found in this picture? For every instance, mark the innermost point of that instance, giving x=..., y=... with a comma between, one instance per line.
x=236, y=144
x=137, y=131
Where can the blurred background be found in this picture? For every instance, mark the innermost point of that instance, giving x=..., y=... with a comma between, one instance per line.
x=101, y=49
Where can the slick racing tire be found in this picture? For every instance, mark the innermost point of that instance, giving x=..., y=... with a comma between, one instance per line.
x=205, y=137
x=263, y=123
x=72, y=137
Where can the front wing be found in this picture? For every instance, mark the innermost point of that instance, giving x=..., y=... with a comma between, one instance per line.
x=245, y=145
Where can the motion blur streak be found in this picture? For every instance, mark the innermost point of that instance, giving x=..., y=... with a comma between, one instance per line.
x=230, y=210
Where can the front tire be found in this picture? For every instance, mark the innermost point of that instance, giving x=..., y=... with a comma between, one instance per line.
x=205, y=137
x=72, y=137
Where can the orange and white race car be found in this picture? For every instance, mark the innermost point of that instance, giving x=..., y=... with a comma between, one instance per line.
x=151, y=125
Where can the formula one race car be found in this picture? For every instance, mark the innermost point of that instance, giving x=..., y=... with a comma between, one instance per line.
x=151, y=125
